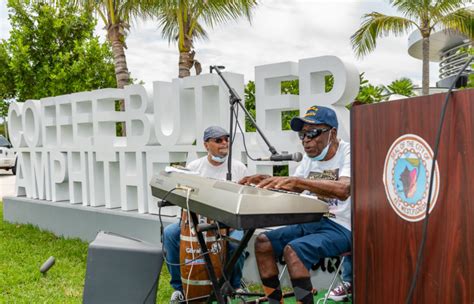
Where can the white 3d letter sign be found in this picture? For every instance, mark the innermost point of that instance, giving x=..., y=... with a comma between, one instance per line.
x=68, y=149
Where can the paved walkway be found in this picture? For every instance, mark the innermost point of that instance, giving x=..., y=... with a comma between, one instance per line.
x=7, y=183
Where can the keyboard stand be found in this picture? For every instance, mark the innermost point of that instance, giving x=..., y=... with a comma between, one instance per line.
x=229, y=265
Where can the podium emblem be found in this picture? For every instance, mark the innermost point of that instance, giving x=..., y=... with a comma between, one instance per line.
x=407, y=176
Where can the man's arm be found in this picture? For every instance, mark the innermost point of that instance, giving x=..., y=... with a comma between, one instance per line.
x=340, y=189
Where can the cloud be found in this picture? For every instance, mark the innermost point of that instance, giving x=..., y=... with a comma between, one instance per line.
x=280, y=31
x=4, y=24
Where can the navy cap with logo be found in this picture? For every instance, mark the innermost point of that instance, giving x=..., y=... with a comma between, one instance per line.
x=214, y=132
x=315, y=115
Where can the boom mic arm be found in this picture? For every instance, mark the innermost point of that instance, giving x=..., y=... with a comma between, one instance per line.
x=235, y=100
x=216, y=67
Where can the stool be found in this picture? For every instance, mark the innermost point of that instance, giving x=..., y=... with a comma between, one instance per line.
x=336, y=276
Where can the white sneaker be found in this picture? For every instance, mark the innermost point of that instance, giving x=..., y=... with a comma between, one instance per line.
x=338, y=294
x=177, y=297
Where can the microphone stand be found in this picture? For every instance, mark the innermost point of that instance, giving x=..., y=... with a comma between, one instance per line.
x=234, y=100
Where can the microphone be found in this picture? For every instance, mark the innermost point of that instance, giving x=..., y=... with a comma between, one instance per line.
x=47, y=265
x=284, y=157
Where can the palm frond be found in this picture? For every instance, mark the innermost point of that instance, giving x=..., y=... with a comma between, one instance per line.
x=461, y=20
x=168, y=22
x=411, y=9
x=170, y=28
x=445, y=7
x=377, y=25
x=199, y=32
x=211, y=12
x=220, y=11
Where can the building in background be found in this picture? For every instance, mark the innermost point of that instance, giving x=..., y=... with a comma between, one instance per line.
x=444, y=48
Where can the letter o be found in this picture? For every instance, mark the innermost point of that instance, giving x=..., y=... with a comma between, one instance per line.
x=31, y=120
x=15, y=125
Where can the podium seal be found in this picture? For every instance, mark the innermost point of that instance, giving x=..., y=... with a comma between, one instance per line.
x=406, y=177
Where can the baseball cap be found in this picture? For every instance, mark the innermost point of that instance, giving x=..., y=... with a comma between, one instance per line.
x=315, y=115
x=214, y=132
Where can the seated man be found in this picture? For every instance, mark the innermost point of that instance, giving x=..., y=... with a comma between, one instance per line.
x=213, y=165
x=324, y=171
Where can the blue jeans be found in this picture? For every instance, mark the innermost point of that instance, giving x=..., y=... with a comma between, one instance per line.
x=171, y=247
x=313, y=241
x=347, y=269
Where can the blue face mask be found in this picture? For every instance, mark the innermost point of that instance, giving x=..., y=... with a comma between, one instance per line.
x=218, y=159
x=323, y=153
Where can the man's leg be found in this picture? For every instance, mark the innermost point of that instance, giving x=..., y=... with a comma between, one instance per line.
x=268, y=269
x=347, y=269
x=236, y=274
x=300, y=276
x=270, y=245
x=171, y=247
x=329, y=239
x=341, y=292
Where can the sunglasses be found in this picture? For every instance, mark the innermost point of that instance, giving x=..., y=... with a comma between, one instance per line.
x=313, y=133
x=220, y=139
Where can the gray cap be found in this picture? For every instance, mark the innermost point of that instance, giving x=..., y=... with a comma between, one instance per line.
x=214, y=132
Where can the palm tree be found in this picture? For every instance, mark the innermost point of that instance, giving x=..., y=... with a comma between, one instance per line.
x=116, y=15
x=424, y=15
x=182, y=21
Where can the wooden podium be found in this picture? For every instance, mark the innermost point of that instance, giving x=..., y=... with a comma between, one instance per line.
x=389, y=164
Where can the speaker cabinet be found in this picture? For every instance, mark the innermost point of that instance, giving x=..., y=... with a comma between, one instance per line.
x=121, y=270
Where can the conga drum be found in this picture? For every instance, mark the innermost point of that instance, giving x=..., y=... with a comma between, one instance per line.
x=194, y=276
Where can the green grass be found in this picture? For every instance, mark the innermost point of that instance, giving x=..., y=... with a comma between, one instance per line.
x=24, y=248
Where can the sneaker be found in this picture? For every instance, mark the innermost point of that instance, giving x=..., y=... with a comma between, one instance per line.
x=240, y=290
x=338, y=294
x=177, y=297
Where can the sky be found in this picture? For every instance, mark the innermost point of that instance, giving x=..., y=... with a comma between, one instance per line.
x=280, y=30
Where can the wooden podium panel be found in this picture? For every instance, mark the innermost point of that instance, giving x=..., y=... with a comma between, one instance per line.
x=386, y=245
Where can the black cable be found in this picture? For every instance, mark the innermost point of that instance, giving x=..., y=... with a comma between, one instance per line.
x=161, y=240
x=161, y=234
x=159, y=212
x=235, y=111
x=419, y=259
x=164, y=253
x=152, y=287
x=243, y=141
x=221, y=257
x=172, y=264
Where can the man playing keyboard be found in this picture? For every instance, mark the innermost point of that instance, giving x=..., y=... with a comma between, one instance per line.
x=213, y=165
x=324, y=171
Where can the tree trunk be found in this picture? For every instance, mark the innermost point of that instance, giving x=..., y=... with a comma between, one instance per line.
x=122, y=75
x=425, y=78
x=120, y=62
x=186, y=57
x=118, y=49
x=185, y=64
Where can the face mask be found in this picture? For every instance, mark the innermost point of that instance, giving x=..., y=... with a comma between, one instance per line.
x=323, y=153
x=218, y=159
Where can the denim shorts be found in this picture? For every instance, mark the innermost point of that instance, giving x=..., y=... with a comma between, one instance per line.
x=311, y=241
